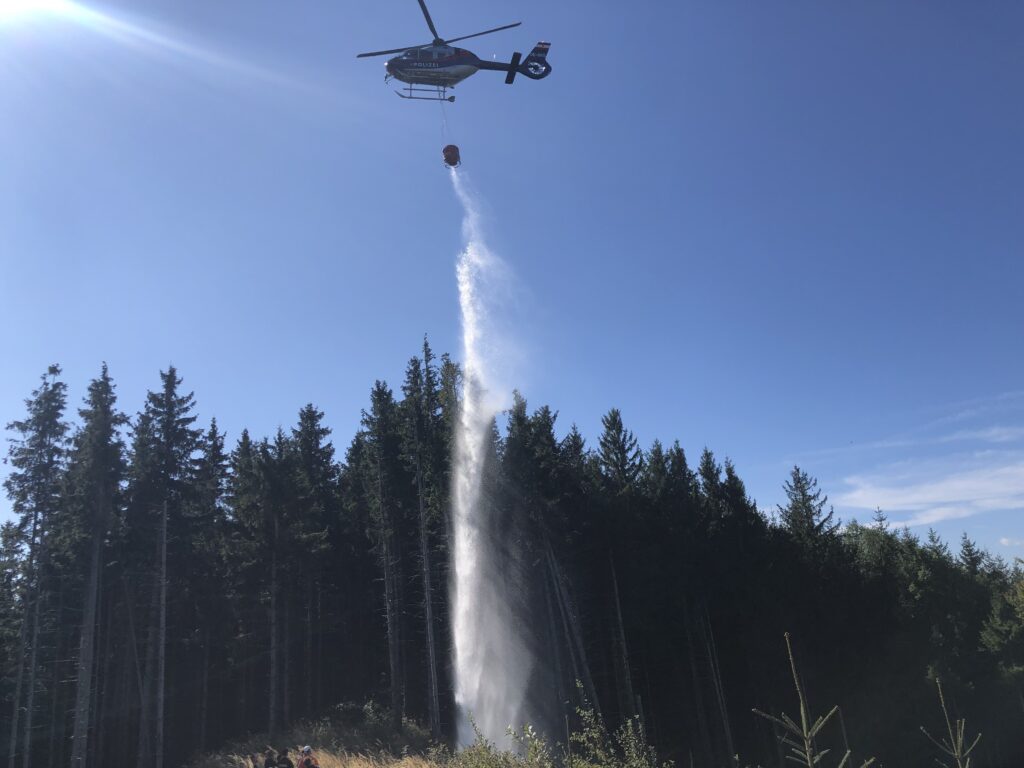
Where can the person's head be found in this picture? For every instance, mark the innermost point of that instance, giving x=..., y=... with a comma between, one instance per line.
x=284, y=752
x=307, y=750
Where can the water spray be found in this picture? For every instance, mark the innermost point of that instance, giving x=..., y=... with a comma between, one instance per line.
x=492, y=661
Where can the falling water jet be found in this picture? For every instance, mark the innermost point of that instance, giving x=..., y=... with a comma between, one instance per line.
x=493, y=663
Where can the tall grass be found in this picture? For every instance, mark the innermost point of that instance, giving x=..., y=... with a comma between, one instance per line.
x=354, y=737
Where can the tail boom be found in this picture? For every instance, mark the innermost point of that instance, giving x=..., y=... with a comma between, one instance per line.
x=535, y=66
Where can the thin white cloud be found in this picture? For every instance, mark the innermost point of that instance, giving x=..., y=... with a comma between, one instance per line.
x=1005, y=409
x=966, y=410
x=1008, y=542
x=931, y=492
x=987, y=435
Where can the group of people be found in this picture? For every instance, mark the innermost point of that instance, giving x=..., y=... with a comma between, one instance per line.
x=272, y=759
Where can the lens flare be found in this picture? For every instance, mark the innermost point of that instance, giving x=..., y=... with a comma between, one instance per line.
x=139, y=36
x=14, y=9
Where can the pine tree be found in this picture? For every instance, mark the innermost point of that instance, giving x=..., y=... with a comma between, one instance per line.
x=804, y=515
x=171, y=441
x=971, y=557
x=656, y=474
x=619, y=457
x=37, y=455
x=318, y=505
x=711, y=491
x=382, y=477
x=249, y=538
x=259, y=587
x=97, y=468
x=208, y=572
x=275, y=463
x=680, y=491
x=421, y=422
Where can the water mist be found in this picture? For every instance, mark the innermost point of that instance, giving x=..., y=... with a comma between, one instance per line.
x=493, y=663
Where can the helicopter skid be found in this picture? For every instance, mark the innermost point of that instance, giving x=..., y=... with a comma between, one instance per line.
x=437, y=94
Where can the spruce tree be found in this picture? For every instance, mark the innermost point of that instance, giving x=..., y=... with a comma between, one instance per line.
x=420, y=422
x=971, y=557
x=382, y=477
x=97, y=469
x=656, y=474
x=317, y=486
x=619, y=457
x=208, y=570
x=166, y=470
x=37, y=456
x=804, y=515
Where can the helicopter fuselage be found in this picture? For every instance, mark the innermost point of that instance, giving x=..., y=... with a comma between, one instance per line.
x=439, y=65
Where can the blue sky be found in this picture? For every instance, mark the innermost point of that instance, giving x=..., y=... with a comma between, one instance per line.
x=791, y=231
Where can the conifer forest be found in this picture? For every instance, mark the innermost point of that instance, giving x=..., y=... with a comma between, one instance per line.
x=167, y=588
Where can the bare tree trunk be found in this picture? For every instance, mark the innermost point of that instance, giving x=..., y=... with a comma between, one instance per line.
x=719, y=689
x=319, y=678
x=629, y=710
x=308, y=687
x=122, y=738
x=83, y=695
x=132, y=639
x=104, y=679
x=272, y=704
x=18, y=676
x=145, y=746
x=428, y=605
x=31, y=598
x=242, y=710
x=287, y=649
x=555, y=648
x=56, y=688
x=698, y=694
x=204, y=692
x=574, y=626
x=30, y=696
x=394, y=655
x=390, y=603
x=161, y=643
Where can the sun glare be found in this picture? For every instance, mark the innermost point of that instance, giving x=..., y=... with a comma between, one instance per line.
x=135, y=35
x=14, y=9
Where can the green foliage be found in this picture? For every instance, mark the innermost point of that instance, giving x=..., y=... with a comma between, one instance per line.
x=343, y=729
x=37, y=453
x=954, y=744
x=619, y=457
x=801, y=738
x=804, y=514
x=290, y=564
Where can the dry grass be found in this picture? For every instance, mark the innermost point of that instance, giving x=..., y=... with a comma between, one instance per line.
x=348, y=735
x=329, y=759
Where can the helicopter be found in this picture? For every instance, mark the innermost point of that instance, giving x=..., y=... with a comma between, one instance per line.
x=438, y=66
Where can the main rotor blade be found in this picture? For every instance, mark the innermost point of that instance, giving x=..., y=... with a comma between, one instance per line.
x=393, y=50
x=430, y=22
x=496, y=29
